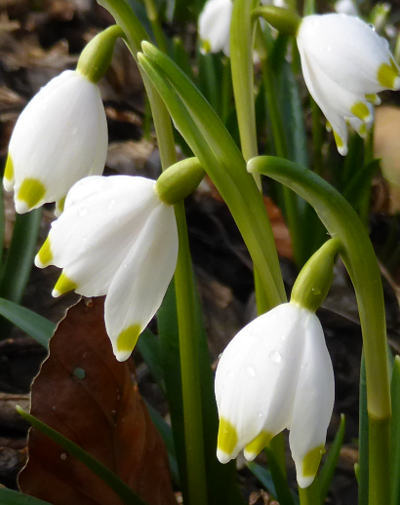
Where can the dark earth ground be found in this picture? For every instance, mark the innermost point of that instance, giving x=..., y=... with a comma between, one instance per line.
x=37, y=41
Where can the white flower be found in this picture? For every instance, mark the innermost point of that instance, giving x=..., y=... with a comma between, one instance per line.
x=345, y=63
x=60, y=137
x=214, y=25
x=115, y=237
x=276, y=373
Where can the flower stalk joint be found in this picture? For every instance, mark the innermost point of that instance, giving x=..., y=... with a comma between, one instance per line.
x=179, y=180
x=315, y=278
x=96, y=56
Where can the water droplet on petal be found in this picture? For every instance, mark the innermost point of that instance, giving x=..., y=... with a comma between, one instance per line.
x=111, y=204
x=275, y=356
x=315, y=291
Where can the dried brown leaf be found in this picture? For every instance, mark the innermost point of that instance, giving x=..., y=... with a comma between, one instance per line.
x=85, y=394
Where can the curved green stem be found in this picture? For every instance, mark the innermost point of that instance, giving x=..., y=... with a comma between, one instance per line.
x=191, y=380
x=152, y=14
x=358, y=255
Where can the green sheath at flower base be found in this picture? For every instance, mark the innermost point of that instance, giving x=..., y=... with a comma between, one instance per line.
x=315, y=279
x=96, y=56
x=179, y=180
x=284, y=20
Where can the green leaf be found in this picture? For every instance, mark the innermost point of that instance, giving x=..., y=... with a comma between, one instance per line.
x=166, y=433
x=220, y=157
x=126, y=494
x=283, y=493
x=36, y=326
x=328, y=469
x=18, y=265
x=395, y=389
x=149, y=347
x=11, y=497
x=263, y=476
x=363, y=439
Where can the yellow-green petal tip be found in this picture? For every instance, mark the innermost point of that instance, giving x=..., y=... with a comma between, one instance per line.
x=63, y=285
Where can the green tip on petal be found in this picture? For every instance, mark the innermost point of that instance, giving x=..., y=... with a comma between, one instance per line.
x=341, y=147
x=227, y=440
x=311, y=461
x=205, y=47
x=30, y=193
x=60, y=206
x=257, y=445
x=388, y=75
x=373, y=98
x=44, y=256
x=8, y=174
x=360, y=110
x=63, y=285
x=127, y=339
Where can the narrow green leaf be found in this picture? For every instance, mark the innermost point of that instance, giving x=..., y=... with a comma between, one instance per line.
x=36, y=326
x=283, y=493
x=126, y=494
x=18, y=265
x=149, y=347
x=170, y=360
x=395, y=389
x=263, y=476
x=363, y=439
x=328, y=469
x=220, y=157
x=11, y=497
x=165, y=431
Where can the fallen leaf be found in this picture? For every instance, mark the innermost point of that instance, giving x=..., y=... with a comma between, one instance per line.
x=89, y=397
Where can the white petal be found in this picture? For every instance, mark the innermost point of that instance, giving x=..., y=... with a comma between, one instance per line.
x=214, y=24
x=347, y=49
x=60, y=137
x=101, y=219
x=313, y=403
x=256, y=376
x=139, y=285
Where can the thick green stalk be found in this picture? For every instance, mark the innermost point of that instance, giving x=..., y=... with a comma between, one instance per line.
x=191, y=380
x=241, y=48
x=152, y=14
x=358, y=255
x=307, y=496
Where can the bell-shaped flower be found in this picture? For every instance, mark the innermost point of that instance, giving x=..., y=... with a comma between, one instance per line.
x=276, y=373
x=345, y=64
x=60, y=137
x=214, y=26
x=115, y=237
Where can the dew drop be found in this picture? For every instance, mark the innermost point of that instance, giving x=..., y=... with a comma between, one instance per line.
x=275, y=356
x=315, y=291
x=260, y=414
x=79, y=373
x=63, y=456
x=111, y=204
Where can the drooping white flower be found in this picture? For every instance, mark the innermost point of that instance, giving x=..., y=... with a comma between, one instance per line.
x=345, y=63
x=214, y=25
x=276, y=373
x=115, y=237
x=60, y=137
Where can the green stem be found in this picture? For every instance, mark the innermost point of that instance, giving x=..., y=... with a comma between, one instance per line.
x=191, y=380
x=307, y=496
x=358, y=255
x=152, y=14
